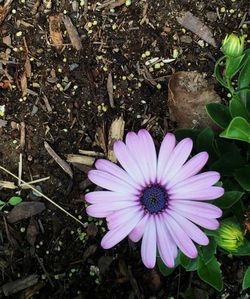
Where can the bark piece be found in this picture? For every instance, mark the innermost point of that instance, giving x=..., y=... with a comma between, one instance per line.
x=25, y=210
x=55, y=31
x=188, y=93
x=73, y=34
x=192, y=23
x=116, y=132
x=18, y=285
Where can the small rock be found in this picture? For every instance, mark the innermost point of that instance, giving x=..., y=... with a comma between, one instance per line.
x=211, y=16
x=186, y=39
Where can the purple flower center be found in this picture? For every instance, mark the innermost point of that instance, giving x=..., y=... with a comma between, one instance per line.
x=154, y=199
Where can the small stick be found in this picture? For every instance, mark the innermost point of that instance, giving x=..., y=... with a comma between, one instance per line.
x=44, y=196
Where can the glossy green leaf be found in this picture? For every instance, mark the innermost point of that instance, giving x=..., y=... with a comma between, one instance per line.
x=243, y=250
x=219, y=113
x=211, y=273
x=233, y=65
x=15, y=200
x=238, y=109
x=188, y=263
x=218, y=74
x=244, y=77
x=205, y=142
x=165, y=271
x=209, y=251
x=246, y=279
x=228, y=163
x=242, y=176
x=228, y=199
x=238, y=129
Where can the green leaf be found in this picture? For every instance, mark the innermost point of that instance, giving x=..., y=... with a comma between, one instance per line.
x=238, y=129
x=219, y=114
x=209, y=251
x=243, y=250
x=15, y=200
x=2, y=203
x=244, y=77
x=246, y=279
x=233, y=65
x=228, y=163
x=205, y=142
x=242, y=176
x=211, y=273
x=184, y=133
x=165, y=271
x=228, y=199
x=238, y=109
x=188, y=263
x=217, y=72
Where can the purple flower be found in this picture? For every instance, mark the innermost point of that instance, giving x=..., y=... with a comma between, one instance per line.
x=159, y=199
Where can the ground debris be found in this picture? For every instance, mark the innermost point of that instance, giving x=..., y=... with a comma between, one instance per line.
x=25, y=210
x=116, y=132
x=80, y=159
x=73, y=34
x=7, y=185
x=55, y=31
x=64, y=165
x=4, y=10
x=32, y=232
x=192, y=23
x=110, y=90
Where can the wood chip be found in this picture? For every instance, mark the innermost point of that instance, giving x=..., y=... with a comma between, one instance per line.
x=18, y=285
x=32, y=232
x=91, y=153
x=100, y=139
x=192, y=23
x=4, y=10
x=72, y=32
x=23, y=84
x=64, y=165
x=81, y=159
x=110, y=90
x=27, y=67
x=116, y=132
x=22, y=135
x=47, y=104
x=25, y=210
x=55, y=31
x=7, y=185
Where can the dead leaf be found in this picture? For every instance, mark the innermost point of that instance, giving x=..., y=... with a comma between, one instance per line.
x=7, y=40
x=6, y=84
x=72, y=32
x=117, y=3
x=24, y=84
x=27, y=67
x=18, y=285
x=110, y=90
x=116, y=132
x=100, y=139
x=192, y=23
x=55, y=31
x=92, y=229
x=188, y=93
x=25, y=210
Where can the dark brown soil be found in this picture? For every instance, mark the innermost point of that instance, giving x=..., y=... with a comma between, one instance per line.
x=67, y=258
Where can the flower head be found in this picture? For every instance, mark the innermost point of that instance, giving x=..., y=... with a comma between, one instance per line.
x=233, y=46
x=157, y=198
x=230, y=236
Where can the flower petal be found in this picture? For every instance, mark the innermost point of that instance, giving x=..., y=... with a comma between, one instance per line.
x=166, y=149
x=136, y=148
x=148, y=247
x=108, y=197
x=180, y=237
x=115, y=236
x=191, y=229
x=205, y=194
x=115, y=170
x=178, y=157
x=208, y=223
x=149, y=153
x=191, y=167
x=166, y=246
x=121, y=217
x=197, y=182
x=136, y=234
x=202, y=209
x=96, y=210
x=127, y=161
x=110, y=182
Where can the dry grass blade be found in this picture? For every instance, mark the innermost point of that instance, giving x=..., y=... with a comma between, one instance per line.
x=7, y=185
x=91, y=153
x=116, y=132
x=64, y=165
x=73, y=34
x=110, y=90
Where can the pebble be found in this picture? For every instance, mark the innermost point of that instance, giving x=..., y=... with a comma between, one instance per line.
x=73, y=66
x=186, y=39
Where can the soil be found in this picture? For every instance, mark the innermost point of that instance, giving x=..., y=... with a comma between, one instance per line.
x=66, y=103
